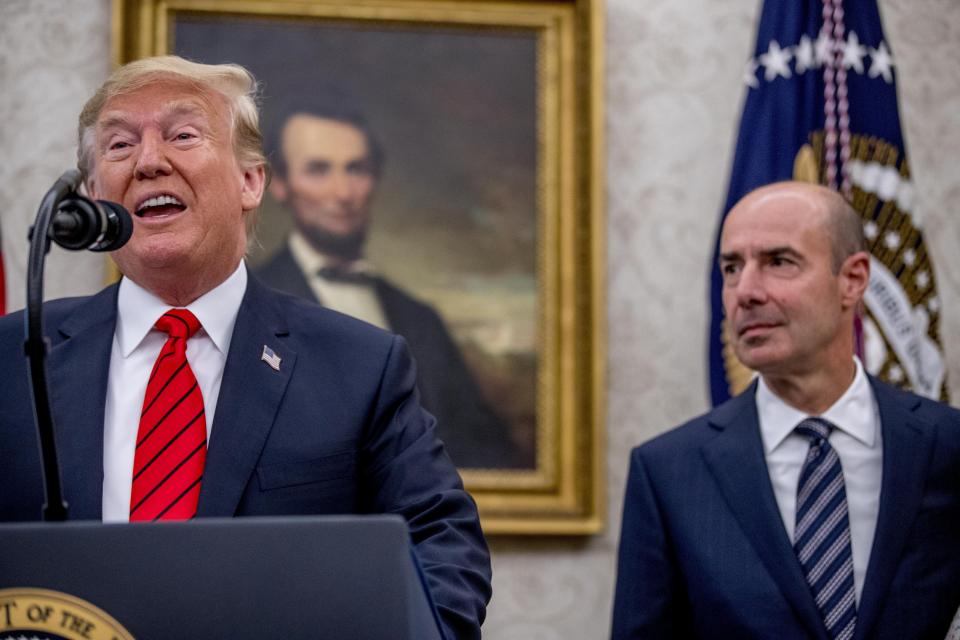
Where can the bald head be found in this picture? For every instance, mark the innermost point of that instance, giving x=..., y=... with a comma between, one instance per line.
x=839, y=221
x=794, y=272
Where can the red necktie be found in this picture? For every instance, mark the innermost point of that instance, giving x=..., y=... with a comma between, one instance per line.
x=172, y=438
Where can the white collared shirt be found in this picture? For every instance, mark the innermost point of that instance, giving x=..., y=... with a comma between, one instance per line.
x=136, y=345
x=858, y=442
x=357, y=300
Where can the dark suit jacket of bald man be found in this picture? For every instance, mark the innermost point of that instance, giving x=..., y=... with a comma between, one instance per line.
x=337, y=430
x=704, y=554
x=474, y=435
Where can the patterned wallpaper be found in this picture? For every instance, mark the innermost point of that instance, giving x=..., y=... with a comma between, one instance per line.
x=52, y=57
x=673, y=91
x=674, y=96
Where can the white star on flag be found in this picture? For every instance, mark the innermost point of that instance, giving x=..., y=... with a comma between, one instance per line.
x=933, y=304
x=870, y=230
x=823, y=49
x=892, y=240
x=805, y=55
x=909, y=257
x=853, y=53
x=881, y=63
x=750, y=74
x=922, y=280
x=776, y=61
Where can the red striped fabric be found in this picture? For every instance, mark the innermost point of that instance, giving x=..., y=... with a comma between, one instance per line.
x=172, y=437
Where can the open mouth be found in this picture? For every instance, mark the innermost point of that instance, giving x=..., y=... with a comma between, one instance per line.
x=160, y=206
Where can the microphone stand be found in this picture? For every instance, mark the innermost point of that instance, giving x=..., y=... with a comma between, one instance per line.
x=37, y=345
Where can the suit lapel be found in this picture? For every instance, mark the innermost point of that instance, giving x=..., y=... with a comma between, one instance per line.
x=290, y=277
x=250, y=396
x=77, y=372
x=735, y=458
x=907, y=447
x=388, y=298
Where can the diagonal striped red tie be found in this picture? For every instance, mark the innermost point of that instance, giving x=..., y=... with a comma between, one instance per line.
x=172, y=438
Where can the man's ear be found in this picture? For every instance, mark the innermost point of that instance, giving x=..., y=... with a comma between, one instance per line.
x=854, y=277
x=278, y=188
x=251, y=190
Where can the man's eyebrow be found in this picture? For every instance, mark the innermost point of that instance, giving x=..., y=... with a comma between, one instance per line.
x=114, y=119
x=183, y=108
x=780, y=251
x=785, y=250
x=729, y=255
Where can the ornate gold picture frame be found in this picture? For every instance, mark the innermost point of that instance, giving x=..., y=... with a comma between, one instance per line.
x=488, y=212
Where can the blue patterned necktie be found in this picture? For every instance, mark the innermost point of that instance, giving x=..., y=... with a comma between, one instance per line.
x=822, y=535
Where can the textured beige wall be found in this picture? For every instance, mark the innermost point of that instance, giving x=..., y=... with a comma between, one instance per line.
x=53, y=55
x=673, y=103
x=673, y=99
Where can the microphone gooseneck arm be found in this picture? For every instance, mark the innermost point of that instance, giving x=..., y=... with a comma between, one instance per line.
x=36, y=344
x=74, y=222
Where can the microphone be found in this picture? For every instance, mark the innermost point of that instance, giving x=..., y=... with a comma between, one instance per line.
x=97, y=225
x=73, y=222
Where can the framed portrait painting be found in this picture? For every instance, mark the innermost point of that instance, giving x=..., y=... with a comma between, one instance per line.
x=436, y=170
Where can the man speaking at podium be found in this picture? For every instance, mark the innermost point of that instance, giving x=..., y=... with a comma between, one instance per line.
x=189, y=388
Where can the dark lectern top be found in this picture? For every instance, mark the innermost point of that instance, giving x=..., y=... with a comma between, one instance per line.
x=350, y=577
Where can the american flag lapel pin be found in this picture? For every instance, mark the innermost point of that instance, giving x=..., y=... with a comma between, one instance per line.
x=270, y=358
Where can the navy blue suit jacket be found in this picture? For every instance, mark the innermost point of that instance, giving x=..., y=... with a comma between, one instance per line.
x=337, y=430
x=704, y=554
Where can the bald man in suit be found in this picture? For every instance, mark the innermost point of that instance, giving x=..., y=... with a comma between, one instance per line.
x=820, y=503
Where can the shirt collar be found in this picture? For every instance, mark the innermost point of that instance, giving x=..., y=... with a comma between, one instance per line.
x=311, y=261
x=852, y=413
x=138, y=310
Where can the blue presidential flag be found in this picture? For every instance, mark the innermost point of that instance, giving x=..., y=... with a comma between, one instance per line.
x=821, y=107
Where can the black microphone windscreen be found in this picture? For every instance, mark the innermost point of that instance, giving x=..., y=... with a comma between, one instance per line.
x=119, y=227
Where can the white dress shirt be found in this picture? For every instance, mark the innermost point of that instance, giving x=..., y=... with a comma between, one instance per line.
x=136, y=345
x=857, y=441
x=353, y=299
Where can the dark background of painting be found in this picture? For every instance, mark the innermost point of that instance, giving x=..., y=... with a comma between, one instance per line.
x=455, y=218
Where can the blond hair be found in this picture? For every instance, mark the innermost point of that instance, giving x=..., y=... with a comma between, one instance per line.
x=233, y=82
